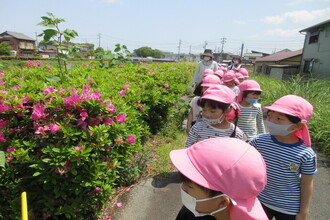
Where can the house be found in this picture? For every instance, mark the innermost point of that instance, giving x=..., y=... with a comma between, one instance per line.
x=316, y=55
x=21, y=44
x=279, y=65
x=251, y=57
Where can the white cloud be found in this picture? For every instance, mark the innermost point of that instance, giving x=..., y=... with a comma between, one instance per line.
x=298, y=17
x=110, y=1
x=297, y=2
x=278, y=32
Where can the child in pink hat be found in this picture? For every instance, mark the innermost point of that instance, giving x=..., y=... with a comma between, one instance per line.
x=194, y=114
x=229, y=79
x=221, y=178
x=244, y=72
x=291, y=162
x=216, y=102
x=251, y=118
x=240, y=77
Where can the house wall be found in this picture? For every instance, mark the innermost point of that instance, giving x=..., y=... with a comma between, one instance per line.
x=263, y=66
x=317, y=55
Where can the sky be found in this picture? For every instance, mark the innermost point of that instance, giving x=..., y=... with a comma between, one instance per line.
x=178, y=26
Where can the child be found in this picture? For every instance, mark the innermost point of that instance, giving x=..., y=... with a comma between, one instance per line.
x=251, y=117
x=291, y=162
x=219, y=73
x=244, y=72
x=195, y=111
x=221, y=180
x=216, y=104
x=229, y=80
x=240, y=77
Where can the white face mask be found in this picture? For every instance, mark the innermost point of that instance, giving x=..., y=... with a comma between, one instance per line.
x=206, y=58
x=278, y=130
x=213, y=121
x=190, y=203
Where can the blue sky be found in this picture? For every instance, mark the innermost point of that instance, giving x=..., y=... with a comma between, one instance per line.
x=261, y=25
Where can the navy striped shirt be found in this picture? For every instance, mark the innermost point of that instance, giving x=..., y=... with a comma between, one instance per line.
x=201, y=131
x=285, y=163
x=251, y=120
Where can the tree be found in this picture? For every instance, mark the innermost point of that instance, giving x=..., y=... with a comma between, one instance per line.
x=157, y=53
x=5, y=49
x=99, y=52
x=144, y=52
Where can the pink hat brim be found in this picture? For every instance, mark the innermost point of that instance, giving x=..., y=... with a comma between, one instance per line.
x=247, y=209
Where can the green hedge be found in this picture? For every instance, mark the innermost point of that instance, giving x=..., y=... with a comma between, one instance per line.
x=69, y=144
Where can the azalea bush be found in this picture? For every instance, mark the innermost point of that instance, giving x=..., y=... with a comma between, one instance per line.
x=69, y=145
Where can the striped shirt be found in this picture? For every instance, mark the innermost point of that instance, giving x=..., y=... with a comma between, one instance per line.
x=201, y=131
x=251, y=121
x=285, y=163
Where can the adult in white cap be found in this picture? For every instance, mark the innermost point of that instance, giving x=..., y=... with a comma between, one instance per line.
x=207, y=62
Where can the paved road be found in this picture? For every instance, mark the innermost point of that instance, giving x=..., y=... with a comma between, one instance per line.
x=159, y=199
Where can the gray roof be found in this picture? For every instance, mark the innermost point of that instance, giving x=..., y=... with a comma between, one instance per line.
x=17, y=35
x=315, y=27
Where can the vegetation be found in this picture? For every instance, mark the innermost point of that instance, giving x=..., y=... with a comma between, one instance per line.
x=70, y=145
x=148, y=52
x=5, y=49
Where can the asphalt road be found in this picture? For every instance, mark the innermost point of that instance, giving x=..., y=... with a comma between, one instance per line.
x=159, y=199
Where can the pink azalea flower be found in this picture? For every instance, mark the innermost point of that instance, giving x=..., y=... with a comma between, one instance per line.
x=108, y=121
x=11, y=149
x=2, y=74
x=74, y=90
x=4, y=107
x=126, y=87
x=54, y=128
x=98, y=190
x=108, y=218
x=111, y=108
x=121, y=118
x=166, y=85
x=78, y=147
x=35, y=125
x=119, y=141
x=2, y=124
x=50, y=90
x=107, y=148
x=86, y=88
x=67, y=165
x=48, y=68
x=131, y=139
x=2, y=82
x=90, y=80
x=3, y=92
x=38, y=111
x=141, y=107
x=122, y=92
x=119, y=204
x=17, y=87
x=83, y=115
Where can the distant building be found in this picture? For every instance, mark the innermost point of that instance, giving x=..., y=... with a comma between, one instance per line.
x=251, y=57
x=22, y=45
x=280, y=64
x=316, y=55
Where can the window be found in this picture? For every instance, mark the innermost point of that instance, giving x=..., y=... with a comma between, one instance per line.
x=314, y=37
x=308, y=65
x=327, y=33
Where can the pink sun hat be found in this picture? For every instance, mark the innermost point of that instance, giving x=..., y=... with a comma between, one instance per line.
x=228, y=165
x=239, y=75
x=247, y=85
x=207, y=72
x=219, y=93
x=244, y=72
x=298, y=107
x=210, y=80
x=219, y=73
x=230, y=76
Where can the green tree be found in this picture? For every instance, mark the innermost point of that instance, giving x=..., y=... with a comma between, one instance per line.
x=157, y=53
x=99, y=52
x=144, y=52
x=5, y=49
x=91, y=53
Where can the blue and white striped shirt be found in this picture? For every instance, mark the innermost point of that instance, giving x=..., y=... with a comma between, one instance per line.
x=285, y=163
x=201, y=131
x=251, y=120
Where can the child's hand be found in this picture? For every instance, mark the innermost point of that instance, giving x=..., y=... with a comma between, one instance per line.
x=301, y=216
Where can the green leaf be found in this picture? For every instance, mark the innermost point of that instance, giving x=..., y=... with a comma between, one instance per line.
x=52, y=78
x=2, y=159
x=49, y=33
x=36, y=174
x=56, y=150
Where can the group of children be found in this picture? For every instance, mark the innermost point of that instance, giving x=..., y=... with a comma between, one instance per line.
x=231, y=168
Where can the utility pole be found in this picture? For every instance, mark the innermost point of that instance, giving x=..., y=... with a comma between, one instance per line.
x=223, y=41
x=205, y=44
x=179, y=47
x=37, y=40
x=242, y=48
x=99, y=37
x=190, y=53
